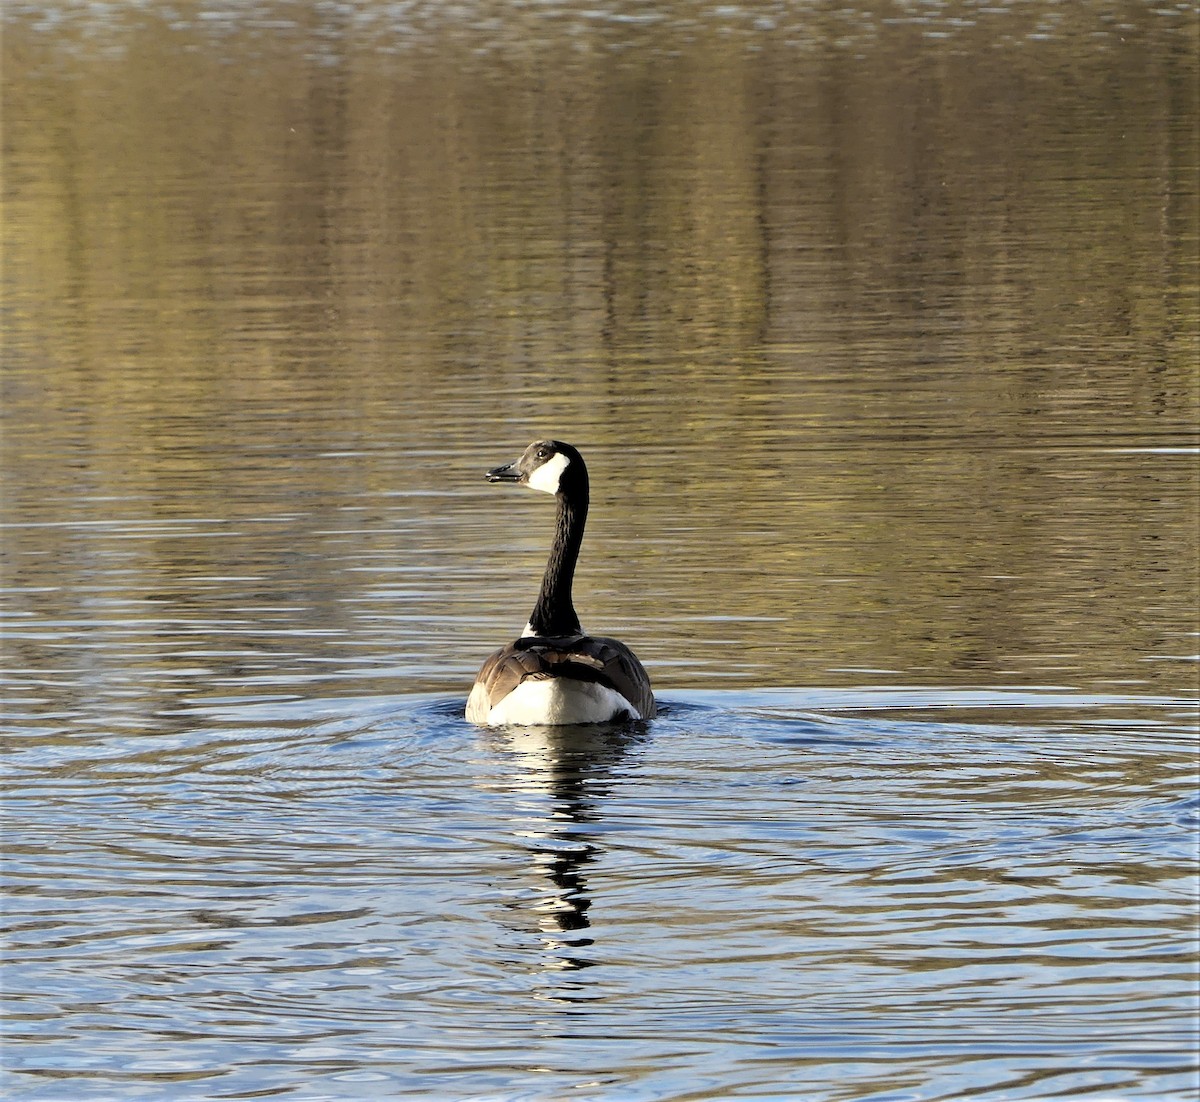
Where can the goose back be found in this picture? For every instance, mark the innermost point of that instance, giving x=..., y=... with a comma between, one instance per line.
x=603, y=673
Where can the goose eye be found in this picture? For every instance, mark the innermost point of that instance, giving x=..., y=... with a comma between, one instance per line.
x=543, y=453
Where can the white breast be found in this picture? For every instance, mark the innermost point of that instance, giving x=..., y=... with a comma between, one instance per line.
x=558, y=700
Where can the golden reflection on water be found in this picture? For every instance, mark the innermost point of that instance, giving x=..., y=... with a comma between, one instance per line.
x=879, y=331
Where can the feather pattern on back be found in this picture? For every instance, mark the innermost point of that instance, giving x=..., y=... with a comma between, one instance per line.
x=586, y=658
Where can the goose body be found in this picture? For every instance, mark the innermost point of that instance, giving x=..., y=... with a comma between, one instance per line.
x=555, y=673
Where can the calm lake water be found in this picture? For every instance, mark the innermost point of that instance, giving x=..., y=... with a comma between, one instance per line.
x=879, y=327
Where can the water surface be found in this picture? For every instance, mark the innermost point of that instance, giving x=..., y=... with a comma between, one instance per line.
x=878, y=327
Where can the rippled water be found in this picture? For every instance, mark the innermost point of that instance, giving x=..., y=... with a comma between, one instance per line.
x=798, y=894
x=878, y=327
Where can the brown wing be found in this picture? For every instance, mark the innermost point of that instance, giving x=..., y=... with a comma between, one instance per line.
x=500, y=673
x=622, y=671
x=586, y=658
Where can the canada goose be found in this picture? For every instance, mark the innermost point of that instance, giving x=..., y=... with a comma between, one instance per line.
x=554, y=673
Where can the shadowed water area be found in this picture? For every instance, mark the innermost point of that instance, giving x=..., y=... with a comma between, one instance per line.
x=878, y=327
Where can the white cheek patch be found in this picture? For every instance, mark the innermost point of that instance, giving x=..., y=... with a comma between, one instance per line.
x=546, y=478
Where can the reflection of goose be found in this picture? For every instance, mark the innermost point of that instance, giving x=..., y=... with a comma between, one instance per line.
x=558, y=779
x=555, y=674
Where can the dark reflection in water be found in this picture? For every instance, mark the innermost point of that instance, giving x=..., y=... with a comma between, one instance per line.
x=571, y=768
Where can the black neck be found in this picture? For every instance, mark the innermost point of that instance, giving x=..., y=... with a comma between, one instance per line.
x=554, y=613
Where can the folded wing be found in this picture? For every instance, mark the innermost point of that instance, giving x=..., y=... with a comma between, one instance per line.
x=587, y=658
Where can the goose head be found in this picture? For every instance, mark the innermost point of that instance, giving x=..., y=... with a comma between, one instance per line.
x=547, y=465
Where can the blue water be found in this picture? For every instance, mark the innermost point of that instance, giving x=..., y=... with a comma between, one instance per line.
x=872, y=894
